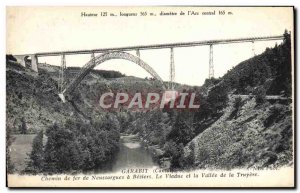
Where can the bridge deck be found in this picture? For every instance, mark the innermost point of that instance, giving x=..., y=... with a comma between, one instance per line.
x=162, y=46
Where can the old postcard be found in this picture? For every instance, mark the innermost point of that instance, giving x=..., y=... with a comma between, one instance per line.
x=147, y=97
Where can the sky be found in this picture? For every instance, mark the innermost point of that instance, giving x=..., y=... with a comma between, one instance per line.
x=44, y=29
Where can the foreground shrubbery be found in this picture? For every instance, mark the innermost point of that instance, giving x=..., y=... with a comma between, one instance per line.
x=75, y=147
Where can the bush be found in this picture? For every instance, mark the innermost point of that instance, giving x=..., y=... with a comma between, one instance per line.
x=260, y=95
x=190, y=159
x=10, y=57
x=237, y=102
x=276, y=113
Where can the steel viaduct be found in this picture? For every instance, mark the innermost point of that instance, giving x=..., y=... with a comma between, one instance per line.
x=121, y=53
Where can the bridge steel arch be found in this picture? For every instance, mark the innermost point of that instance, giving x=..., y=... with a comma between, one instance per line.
x=104, y=57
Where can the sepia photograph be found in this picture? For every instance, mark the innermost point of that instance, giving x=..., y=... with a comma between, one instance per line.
x=150, y=97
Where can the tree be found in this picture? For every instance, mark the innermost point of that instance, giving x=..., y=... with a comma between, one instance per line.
x=23, y=128
x=190, y=159
x=36, y=163
x=280, y=59
x=287, y=37
x=237, y=102
x=260, y=95
x=9, y=141
x=183, y=131
x=175, y=153
x=77, y=146
x=204, y=112
x=218, y=97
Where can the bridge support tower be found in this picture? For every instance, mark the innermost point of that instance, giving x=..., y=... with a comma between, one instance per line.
x=211, y=61
x=253, y=49
x=23, y=60
x=62, y=70
x=172, y=70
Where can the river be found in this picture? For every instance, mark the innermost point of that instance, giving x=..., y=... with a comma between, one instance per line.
x=131, y=155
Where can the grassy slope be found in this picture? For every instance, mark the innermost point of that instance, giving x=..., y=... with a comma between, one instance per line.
x=260, y=135
x=33, y=97
x=247, y=141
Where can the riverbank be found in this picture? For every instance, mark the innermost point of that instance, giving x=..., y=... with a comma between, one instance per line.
x=157, y=154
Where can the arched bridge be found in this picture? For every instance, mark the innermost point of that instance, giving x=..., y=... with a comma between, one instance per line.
x=120, y=53
x=104, y=57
